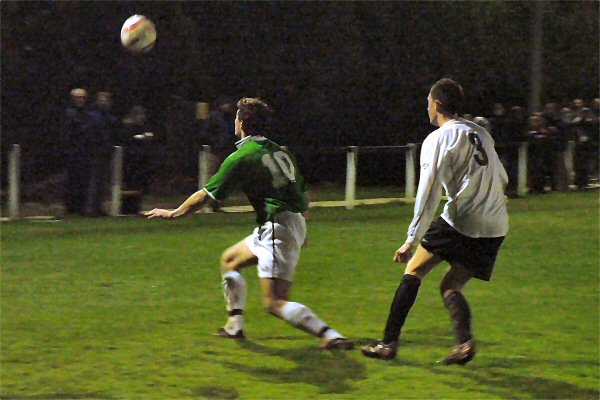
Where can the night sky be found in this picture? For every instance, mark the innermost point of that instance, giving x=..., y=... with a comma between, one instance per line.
x=338, y=73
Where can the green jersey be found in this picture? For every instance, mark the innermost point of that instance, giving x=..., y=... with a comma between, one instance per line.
x=266, y=173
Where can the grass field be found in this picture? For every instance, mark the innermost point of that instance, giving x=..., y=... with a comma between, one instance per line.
x=125, y=308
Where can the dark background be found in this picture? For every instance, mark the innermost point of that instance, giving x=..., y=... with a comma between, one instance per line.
x=338, y=73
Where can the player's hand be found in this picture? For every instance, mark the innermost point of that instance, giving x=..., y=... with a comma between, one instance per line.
x=159, y=213
x=404, y=253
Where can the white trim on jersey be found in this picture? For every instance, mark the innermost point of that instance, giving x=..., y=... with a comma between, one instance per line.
x=245, y=140
x=209, y=194
x=460, y=158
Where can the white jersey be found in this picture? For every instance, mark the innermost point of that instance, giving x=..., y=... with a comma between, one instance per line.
x=460, y=158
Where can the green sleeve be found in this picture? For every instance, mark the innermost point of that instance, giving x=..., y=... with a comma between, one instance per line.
x=220, y=185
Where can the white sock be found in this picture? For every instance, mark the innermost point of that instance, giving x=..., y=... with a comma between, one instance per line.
x=302, y=317
x=234, y=290
x=332, y=334
x=234, y=324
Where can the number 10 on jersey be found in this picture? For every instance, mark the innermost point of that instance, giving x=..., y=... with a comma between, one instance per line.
x=281, y=167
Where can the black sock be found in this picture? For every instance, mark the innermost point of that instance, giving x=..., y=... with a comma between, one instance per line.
x=322, y=331
x=460, y=314
x=237, y=311
x=403, y=301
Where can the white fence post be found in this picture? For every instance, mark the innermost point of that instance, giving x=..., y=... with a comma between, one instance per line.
x=351, y=159
x=522, y=179
x=569, y=163
x=116, y=181
x=14, y=181
x=410, y=152
x=204, y=157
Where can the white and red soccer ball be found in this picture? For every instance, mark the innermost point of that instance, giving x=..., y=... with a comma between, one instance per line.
x=138, y=34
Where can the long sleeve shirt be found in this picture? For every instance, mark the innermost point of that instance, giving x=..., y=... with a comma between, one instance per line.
x=460, y=159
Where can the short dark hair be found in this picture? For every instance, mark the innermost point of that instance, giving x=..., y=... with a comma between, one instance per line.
x=255, y=114
x=450, y=94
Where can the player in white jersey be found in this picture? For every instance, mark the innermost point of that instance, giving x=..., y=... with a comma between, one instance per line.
x=460, y=159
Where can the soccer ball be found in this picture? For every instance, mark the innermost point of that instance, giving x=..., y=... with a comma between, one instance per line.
x=138, y=34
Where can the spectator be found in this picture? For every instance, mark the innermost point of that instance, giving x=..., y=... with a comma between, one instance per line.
x=76, y=142
x=500, y=130
x=517, y=129
x=218, y=127
x=103, y=135
x=137, y=166
x=581, y=124
x=498, y=122
x=540, y=153
x=566, y=118
x=217, y=130
x=558, y=145
x=518, y=124
x=483, y=122
x=594, y=134
x=595, y=114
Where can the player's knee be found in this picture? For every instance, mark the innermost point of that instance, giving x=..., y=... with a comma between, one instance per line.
x=447, y=292
x=227, y=261
x=449, y=288
x=416, y=272
x=445, y=285
x=452, y=283
x=415, y=268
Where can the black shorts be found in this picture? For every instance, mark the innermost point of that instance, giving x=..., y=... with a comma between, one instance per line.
x=477, y=254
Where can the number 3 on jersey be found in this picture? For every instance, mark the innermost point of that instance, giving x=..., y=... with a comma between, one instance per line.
x=281, y=167
x=476, y=141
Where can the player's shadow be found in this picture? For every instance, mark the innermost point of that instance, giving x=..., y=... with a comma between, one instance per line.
x=497, y=378
x=59, y=395
x=435, y=336
x=217, y=392
x=331, y=371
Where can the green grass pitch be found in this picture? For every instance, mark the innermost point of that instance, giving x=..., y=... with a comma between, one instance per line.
x=125, y=308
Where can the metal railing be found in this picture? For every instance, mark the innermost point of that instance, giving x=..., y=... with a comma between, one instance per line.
x=204, y=172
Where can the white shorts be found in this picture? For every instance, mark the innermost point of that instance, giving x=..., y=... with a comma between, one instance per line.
x=287, y=234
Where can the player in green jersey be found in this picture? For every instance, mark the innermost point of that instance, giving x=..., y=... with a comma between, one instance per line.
x=269, y=175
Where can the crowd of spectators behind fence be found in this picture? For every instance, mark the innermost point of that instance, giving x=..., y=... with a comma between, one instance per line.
x=548, y=133
x=91, y=132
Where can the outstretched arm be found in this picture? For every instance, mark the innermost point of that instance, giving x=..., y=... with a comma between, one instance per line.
x=193, y=203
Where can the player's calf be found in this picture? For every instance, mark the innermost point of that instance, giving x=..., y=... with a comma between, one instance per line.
x=303, y=318
x=460, y=314
x=234, y=291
